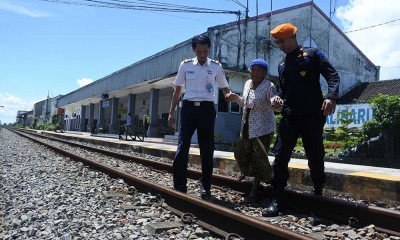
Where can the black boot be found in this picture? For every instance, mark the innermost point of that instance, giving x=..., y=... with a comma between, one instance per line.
x=318, y=189
x=275, y=206
x=205, y=193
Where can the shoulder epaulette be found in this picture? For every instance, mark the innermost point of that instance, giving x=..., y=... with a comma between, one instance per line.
x=215, y=61
x=188, y=60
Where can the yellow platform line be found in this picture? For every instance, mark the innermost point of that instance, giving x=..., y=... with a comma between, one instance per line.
x=152, y=147
x=375, y=175
x=194, y=153
x=300, y=166
x=225, y=157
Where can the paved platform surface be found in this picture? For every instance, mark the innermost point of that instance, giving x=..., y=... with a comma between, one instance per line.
x=373, y=183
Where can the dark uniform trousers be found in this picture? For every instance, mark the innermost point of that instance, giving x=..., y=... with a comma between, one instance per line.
x=310, y=128
x=200, y=116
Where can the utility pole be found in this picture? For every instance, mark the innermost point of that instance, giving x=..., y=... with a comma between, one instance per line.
x=330, y=22
x=0, y=121
x=47, y=117
x=256, y=28
x=245, y=35
x=240, y=33
x=247, y=9
x=311, y=19
x=269, y=41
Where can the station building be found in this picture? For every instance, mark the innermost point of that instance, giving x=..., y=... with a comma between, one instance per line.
x=148, y=83
x=24, y=118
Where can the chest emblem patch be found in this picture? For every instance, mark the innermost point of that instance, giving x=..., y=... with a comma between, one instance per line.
x=303, y=73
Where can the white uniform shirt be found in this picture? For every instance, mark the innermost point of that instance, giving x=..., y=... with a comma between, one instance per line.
x=262, y=117
x=194, y=77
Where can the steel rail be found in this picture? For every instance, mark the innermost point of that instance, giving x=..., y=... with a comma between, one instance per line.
x=220, y=217
x=336, y=209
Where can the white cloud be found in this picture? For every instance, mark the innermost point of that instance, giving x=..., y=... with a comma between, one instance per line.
x=23, y=10
x=379, y=44
x=11, y=105
x=84, y=81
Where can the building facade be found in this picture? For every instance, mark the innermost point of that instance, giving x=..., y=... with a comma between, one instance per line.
x=148, y=84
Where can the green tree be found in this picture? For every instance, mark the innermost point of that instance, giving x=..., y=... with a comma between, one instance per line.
x=387, y=111
x=387, y=114
x=34, y=122
x=343, y=133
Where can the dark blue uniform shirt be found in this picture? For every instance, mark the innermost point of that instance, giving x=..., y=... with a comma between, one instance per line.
x=299, y=81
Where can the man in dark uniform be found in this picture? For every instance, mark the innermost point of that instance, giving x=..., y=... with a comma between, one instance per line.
x=304, y=110
x=198, y=77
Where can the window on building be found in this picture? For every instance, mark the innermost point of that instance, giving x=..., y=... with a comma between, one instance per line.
x=234, y=107
x=223, y=105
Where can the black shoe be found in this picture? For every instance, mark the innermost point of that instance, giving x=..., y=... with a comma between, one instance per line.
x=205, y=194
x=272, y=210
x=181, y=189
x=318, y=189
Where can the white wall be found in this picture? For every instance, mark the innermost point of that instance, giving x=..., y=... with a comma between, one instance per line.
x=351, y=65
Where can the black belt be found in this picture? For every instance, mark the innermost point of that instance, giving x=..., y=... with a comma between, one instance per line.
x=198, y=103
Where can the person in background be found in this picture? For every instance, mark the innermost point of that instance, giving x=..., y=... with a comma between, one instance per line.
x=258, y=126
x=129, y=120
x=304, y=110
x=127, y=126
x=197, y=77
x=146, y=123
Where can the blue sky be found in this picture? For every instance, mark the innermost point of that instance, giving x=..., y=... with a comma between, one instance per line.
x=52, y=47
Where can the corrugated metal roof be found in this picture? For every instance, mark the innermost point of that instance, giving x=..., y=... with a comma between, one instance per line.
x=160, y=65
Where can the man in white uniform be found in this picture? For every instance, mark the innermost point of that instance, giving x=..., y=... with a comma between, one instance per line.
x=198, y=77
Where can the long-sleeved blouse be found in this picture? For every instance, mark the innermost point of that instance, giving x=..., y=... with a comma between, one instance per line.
x=261, y=118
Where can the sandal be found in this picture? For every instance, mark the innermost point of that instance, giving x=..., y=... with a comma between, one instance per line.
x=241, y=177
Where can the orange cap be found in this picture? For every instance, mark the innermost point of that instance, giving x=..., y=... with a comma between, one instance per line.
x=285, y=30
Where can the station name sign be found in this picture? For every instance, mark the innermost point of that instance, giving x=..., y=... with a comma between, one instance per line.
x=360, y=113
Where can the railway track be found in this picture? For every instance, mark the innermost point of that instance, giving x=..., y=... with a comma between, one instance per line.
x=339, y=210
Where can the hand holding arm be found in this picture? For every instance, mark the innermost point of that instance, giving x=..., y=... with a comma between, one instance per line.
x=277, y=103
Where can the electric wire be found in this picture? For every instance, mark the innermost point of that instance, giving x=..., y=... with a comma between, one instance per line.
x=142, y=5
x=377, y=25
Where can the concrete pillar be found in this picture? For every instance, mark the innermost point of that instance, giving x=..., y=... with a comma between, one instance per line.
x=82, y=127
x=114, y=115
x=71, y=124
x=131, y=105
x=91, y=117
x=153, y=112
x=100, y=123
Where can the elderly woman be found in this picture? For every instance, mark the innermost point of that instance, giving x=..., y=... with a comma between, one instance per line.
x=258, y=126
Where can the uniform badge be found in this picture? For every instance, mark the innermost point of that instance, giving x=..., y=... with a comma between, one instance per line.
x=303, y=73
x=305, y=54
x=210, y=87
x=299, y=55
